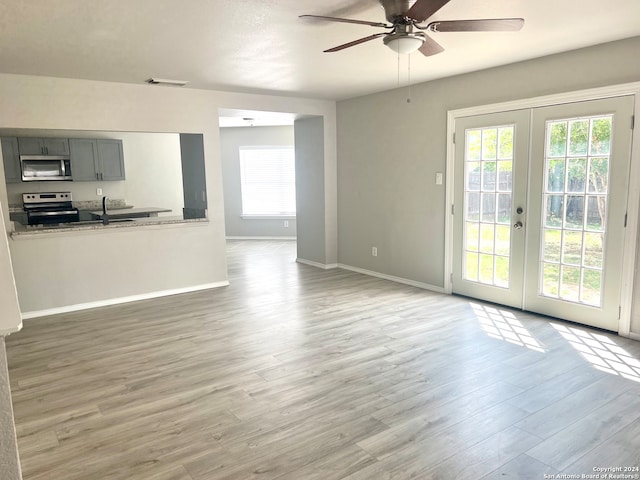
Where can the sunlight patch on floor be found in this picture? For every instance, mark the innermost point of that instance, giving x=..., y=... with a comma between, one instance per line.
x=601, y=351
x=503, y=325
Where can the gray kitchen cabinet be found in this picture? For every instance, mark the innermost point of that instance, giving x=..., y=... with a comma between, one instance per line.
x=11, y=159
x=111, y=159
x=19, y=217
x=43, y=146
x=96, y=159
x=194, y=184
x=83, y=153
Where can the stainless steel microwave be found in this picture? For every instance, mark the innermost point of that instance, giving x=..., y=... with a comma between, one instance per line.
x=45, y=168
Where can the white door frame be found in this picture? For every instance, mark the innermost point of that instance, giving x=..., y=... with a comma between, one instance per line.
x=633, y=202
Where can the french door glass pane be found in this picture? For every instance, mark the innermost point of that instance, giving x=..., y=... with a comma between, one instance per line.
x=575, y=208
x=488, y=184
x=552, y=245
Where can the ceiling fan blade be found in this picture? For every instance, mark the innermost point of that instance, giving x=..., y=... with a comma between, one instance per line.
x=423, y=9
x=345, y=20
x=484, y=25
x=356, y=42
x=430, y=47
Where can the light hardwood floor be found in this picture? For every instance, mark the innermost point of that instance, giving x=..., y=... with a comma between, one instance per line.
x=297, y=373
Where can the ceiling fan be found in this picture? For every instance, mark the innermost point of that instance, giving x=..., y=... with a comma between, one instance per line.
x=406, y=31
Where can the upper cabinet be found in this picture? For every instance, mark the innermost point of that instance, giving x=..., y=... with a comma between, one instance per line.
x=91, y=159
x=43, y=146
x=96, y=159
x=111, y=158
x=11, y=159
x=84, y=159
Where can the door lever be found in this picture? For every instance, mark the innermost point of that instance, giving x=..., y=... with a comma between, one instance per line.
x=518, y=225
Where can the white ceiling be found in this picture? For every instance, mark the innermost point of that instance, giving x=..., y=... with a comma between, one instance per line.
x=262, y=45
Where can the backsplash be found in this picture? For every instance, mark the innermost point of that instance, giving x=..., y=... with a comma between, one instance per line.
x=97, y=204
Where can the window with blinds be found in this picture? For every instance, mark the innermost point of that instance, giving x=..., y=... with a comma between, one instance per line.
x=268, y=181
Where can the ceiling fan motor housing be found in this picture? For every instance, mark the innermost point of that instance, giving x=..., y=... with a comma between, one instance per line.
x=406, y=33
x=395, y=10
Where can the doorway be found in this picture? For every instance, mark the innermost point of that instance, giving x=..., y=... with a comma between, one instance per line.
x=539, y=208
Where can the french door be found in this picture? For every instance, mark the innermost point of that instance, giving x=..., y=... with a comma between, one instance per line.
x=539, y=208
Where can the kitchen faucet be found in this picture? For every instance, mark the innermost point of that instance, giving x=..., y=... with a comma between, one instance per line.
x=105, y=215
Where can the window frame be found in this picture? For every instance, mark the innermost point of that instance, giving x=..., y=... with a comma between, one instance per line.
x=242, y=152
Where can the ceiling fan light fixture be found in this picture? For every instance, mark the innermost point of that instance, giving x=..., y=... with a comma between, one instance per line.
x=404, y=43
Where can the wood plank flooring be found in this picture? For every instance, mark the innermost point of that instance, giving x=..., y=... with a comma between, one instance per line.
x=297, y=373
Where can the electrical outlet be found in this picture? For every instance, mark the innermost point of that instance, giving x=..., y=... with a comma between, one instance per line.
x=99, y=192
x=286, y=224
x=374, y=251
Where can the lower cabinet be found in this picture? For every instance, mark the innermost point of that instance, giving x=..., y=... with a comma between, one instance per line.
x=96, y=159
x=19, y=217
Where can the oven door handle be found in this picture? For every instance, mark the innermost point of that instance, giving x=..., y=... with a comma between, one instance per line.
x=54, y=214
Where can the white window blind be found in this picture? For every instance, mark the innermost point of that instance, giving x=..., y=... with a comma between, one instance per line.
x=268, y=181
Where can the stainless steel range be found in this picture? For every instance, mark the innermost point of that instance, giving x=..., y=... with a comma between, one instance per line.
x=49, y=208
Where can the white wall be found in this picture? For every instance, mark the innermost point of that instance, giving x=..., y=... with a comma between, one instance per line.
x=391, y=150
x=95, y=267
x=231, y=139
x=153, y=171
x=9, y=461
x=10, y=318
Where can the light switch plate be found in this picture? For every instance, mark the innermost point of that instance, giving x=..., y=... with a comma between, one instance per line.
x=439, y=178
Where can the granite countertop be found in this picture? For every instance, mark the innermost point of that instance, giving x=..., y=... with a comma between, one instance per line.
x=30, y=231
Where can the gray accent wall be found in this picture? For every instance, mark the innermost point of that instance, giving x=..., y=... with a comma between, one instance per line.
x=390, y=150
x=310, y=191
x=231, y=139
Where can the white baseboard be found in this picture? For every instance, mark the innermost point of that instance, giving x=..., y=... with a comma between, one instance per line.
x=324, y=266
x=117, y=301
x=260, y=238
x=392, y=278
x=633, y=336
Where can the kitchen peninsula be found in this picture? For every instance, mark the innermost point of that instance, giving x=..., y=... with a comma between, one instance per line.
x=57, y=212
x=21, y=231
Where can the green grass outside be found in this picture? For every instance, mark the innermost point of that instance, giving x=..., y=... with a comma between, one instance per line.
x=483, y=242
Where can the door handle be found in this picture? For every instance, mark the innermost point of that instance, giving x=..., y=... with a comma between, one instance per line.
x=518, y=225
